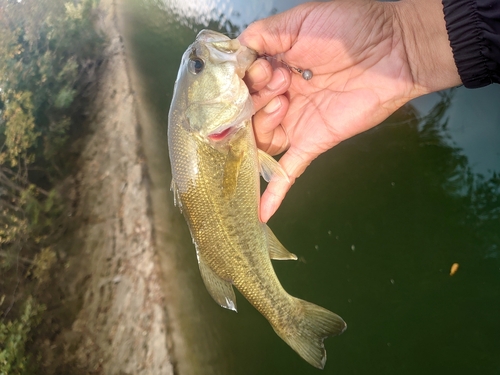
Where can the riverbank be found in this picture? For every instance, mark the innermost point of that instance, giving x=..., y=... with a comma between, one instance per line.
x=112, y=313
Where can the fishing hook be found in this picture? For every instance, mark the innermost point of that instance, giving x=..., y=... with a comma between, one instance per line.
x=307, y=74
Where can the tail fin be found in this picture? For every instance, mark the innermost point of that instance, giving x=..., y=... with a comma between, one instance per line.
x=307, y=330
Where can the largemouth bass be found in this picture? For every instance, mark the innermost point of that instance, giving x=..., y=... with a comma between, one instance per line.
x=215, y=170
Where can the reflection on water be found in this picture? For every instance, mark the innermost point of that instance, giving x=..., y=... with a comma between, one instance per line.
x=377, y=223
x=477, y=193
x=228, y=15
x=475, y=130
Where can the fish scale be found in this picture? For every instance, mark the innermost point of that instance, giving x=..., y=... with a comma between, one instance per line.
x=215, y=169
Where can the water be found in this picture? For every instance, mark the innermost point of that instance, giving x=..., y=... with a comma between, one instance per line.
x=377, y=223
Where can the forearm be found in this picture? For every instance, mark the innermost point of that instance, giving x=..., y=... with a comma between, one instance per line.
x=428, y=48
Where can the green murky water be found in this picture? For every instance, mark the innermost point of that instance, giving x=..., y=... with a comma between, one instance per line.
x=377, y=223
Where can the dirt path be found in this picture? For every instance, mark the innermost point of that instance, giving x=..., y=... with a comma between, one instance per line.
x=113, y=281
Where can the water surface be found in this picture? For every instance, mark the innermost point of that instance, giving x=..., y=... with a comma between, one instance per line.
x=377, y=223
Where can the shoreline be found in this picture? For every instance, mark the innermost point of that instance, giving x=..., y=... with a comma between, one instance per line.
x=111, y=282
x=130, y=299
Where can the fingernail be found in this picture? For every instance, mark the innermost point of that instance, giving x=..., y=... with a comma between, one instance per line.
x=277, y=80
x=273, y=105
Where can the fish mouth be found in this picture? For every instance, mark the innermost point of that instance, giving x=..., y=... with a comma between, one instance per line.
x=222, y=47
x=209, y=36
x=221, y=134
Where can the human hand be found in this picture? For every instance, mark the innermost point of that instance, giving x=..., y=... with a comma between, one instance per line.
x=364, y=69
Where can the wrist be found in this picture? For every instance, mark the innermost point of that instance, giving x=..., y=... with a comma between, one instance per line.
x=425, y=38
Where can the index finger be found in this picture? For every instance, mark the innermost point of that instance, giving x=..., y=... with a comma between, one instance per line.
x=272, y=35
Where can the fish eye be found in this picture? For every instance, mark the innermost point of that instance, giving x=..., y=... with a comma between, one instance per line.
x=196, y=65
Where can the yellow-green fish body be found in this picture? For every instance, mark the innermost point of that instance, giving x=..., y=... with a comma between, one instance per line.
x=215, y=169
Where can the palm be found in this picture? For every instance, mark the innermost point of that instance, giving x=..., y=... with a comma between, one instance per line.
x=356, y=74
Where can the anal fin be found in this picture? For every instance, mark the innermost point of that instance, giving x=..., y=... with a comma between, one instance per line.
x=221, y=290
x=276, y=250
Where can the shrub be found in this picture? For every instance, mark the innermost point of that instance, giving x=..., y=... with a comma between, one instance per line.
x=46, y=49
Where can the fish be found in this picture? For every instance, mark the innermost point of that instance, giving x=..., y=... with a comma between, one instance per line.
x=216, y=184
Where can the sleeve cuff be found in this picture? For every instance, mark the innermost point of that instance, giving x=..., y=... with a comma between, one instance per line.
x=474, y=34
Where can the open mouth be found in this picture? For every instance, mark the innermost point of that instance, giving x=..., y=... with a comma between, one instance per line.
x=221, y=135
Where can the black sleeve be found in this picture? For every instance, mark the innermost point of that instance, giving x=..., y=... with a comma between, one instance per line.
x=474, y=32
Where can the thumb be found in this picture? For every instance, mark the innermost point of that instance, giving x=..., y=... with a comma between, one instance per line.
x=294, y=162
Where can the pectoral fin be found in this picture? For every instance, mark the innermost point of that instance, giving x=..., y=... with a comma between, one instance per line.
x=269, y=167
x=231, y=171
x=221, y=290
x=276, y=250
